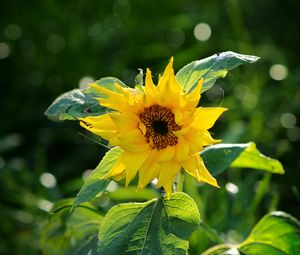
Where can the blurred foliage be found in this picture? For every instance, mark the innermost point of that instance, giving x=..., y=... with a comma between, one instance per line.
x=50, y=47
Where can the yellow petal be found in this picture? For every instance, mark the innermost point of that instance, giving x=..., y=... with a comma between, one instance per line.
x=119, y=87
x=133, y=162
x=149, y=170
x=134, y=98
x=150, y=88
x=142, y=127
x=101, y=122
x=194, y=138
x=119, y=177
x=206, y=139
x=196, y=92
x=183, y=131
x=114, y=100
x=167, y=174
x=204, y=174
x=168, y=87
x=133, y=141
x=168, y=188
x=182, y=150
x=125, y=122
x=195, y=167
x=168, y=73
x=191, y=165
x=205, y=118
x=179, y=117
x=100, y=125
x=192, y=99
x=117, y=170
x=166, y=154
x=183, y=117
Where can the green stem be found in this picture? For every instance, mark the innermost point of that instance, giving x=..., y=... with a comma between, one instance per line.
x=212, y=234
x=180, y=181
x=261, y=191
x=219, y=249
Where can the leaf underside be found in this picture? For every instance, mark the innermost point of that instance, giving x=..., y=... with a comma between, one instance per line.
x=211, y=69
x=80, y=103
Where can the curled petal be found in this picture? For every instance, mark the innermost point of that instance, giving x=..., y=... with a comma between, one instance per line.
x=205, y=118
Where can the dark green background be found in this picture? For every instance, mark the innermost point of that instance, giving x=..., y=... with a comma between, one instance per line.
x=63, y=41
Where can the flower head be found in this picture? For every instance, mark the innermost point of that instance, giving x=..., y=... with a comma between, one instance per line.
x=159, y=129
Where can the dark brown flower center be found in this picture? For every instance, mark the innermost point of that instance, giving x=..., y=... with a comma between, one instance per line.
x=160, y=124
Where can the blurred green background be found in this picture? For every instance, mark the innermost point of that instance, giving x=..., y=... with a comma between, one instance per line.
x=50, y=47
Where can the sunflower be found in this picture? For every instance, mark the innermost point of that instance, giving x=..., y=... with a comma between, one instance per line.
x=159, y=129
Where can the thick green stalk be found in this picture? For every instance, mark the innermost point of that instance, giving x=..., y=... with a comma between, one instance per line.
x=180, y=181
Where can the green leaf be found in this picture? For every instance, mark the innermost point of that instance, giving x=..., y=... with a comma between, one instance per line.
x=155, y=227
x=223, y=249
x=66, y=204
x=73, y=105
x=277, y=233
x=94, y=184
x=219, y=157
x=72, y=233
x=108, y=83
x=131, y=193
x=211, y=69
x=62, y=204
x=80, y=103
x=252, y=158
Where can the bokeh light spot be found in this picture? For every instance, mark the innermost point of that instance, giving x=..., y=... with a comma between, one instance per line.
x=2, y=162
x=250, y=100
x=155, y=181
x=112, y=186
x=293, y=134
x=48, y=180
x=86, y=174
x=288, y=120
x=55, y=43
x=24, y=217
x=202, y=31
x=44, y=205
x=13, y=32
x=232, y=188
x=4, y=50
x=278, y=72
x=233, y=251
x=85, y=81
x=94, y=30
